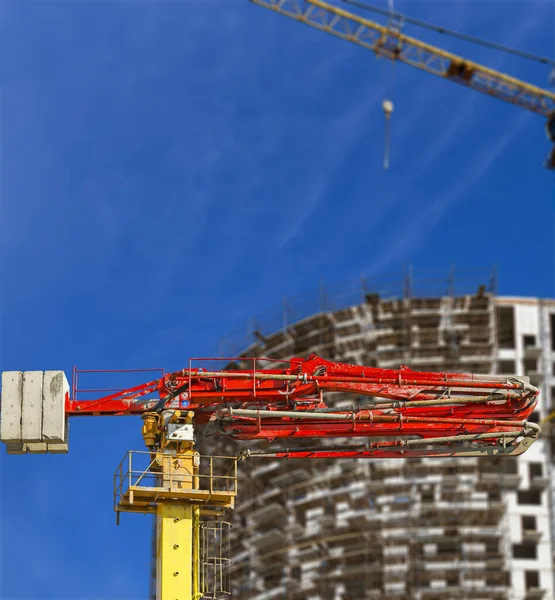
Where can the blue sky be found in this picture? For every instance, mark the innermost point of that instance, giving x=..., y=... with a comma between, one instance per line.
x=170, y=169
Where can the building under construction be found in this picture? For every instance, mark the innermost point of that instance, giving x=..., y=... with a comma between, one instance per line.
x=429, y=528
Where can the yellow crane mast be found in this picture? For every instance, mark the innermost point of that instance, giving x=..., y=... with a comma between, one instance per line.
x=391, y=43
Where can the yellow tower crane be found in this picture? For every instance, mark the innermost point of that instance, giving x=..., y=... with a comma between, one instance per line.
x=389, y=42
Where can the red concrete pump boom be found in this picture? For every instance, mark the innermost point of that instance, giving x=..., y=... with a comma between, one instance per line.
x=408, y=413
x=281, y=404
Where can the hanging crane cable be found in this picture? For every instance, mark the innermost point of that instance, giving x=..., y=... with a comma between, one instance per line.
x=387, y=105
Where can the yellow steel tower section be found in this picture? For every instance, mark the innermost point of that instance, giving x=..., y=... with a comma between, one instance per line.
x=180, y=486
x=174, y=540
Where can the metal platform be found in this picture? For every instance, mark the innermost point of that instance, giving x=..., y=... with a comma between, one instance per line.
x=143, y=478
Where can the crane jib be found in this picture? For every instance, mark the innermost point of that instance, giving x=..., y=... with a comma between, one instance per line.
x=412, y=51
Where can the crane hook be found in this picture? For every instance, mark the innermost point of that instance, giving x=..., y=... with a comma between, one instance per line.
x=387, y=107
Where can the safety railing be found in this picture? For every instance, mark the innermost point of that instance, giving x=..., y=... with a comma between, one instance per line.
x=426, y=284
x=89, y=384
x=142, y=477
x=215, y=563
x=250, y=365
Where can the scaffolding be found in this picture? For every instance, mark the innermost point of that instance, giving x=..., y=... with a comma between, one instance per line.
x=451, y=327
x=423, y=529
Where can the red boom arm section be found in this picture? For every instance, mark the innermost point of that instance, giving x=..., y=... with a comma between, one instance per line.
x=407, y=413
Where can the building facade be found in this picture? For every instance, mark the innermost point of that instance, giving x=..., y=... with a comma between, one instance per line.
x=422, y=529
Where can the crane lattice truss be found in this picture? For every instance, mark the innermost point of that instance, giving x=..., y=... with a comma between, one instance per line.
x=393, y=44
x=408, y=413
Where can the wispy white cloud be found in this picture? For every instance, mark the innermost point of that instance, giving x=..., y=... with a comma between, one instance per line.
x=343, y=136
x=483, y=160
x=407, y=238
x=414, y=231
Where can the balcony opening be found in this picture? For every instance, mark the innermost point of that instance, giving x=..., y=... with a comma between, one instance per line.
x=529, y=497
x=506, y=367
x=506, y=327
x=528, y=341
x=528, y=523
x=530, y=365
x=525, y=551
x=427, y=498
x=532, y=579
x=535, y=470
